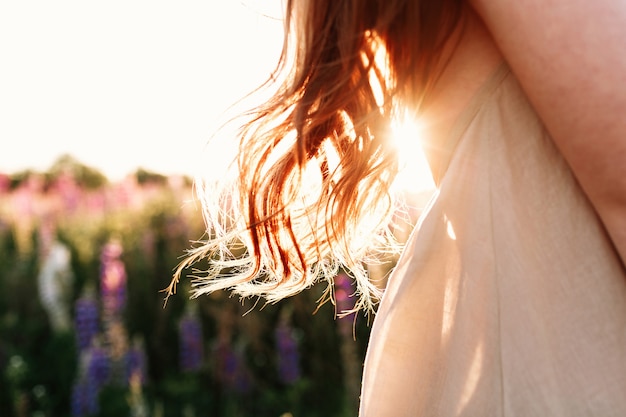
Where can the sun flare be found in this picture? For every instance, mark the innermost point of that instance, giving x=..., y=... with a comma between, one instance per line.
x=414, y=174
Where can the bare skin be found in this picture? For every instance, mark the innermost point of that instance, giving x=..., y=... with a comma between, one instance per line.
x=570, y=58
x=471, y=57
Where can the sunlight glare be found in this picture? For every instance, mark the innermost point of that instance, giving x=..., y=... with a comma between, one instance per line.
x=450, y=229
x=474, y=374
x=414, y=174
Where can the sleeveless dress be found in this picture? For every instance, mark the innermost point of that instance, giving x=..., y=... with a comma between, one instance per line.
x=509, y=298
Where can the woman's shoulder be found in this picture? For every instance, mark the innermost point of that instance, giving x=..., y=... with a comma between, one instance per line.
x=570, y=59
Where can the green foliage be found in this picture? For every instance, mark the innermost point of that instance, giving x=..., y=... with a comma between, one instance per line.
x=39, y=363
x=147, y=177
x=85, y=176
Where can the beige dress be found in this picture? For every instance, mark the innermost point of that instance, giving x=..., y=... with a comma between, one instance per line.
x=509, y=299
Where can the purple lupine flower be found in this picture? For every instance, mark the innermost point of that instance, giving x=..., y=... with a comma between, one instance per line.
x=112, y=280
x=288, y=355
x=136, y=362
x=230, y=369
x=243, y=382
x=92, y=394
x=344, y=291
x=98, y=369
x=226, y=362
x=86, y=321
x=191, y=347
x=117, y=349
x=343, y=296
x=93, y=375
x=76, y=402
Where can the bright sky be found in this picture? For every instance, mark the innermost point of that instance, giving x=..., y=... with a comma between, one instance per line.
x=122, y=84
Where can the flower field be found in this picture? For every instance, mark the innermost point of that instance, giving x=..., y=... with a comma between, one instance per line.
x=84, y=330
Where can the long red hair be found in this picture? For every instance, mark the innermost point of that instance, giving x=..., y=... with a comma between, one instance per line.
x=314, y=169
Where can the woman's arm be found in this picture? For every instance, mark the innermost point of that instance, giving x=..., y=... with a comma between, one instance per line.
x=570, y=57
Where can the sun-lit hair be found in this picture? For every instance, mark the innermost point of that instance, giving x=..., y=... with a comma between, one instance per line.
x=311, y=191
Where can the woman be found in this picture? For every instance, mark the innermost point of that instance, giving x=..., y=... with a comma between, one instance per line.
x=510, y=296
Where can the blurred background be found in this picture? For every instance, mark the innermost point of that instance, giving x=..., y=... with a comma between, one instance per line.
x=105, y=109
x=84, y=330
